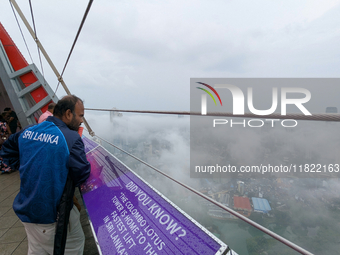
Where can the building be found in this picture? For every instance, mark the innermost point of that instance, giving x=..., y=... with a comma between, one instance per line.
x=331, y=110
x=261, y=205
x=242, y=205
x=240, y=187
x=114, y=114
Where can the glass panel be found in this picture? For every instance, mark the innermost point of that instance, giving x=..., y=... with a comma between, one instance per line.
x=133, y=217
x=305, y=211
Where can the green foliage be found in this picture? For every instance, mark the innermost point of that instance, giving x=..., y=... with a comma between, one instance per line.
x=282, y=218
x=257, y=245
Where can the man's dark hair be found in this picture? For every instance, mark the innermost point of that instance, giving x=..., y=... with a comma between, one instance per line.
x=7, y=109
x=67, y=102
x=51, y=106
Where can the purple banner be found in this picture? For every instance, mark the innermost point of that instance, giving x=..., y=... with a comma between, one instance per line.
x=89, y=144
x=130, y=217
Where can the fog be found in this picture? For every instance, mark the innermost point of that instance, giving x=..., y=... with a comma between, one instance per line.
x=166, y=139
x=305, y=210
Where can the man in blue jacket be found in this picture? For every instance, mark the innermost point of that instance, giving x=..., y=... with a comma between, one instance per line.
x=51, y=159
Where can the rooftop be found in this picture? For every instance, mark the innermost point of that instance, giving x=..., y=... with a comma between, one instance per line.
x=242, y=203
x=261, y=204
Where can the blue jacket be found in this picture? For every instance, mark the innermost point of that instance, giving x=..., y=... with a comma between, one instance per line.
x=45, y=153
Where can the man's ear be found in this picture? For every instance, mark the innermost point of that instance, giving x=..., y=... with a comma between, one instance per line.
x=68, y=114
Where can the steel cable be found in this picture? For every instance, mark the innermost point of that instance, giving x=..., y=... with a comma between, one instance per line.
x=74, y=42
x=314, y=117
x=36, y=38
x=23, y=37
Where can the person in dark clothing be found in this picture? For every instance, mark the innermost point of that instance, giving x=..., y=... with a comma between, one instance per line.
x=51, y=160
x=4, y=134
x=12, y=120
x=3, y=128
x=5, y=117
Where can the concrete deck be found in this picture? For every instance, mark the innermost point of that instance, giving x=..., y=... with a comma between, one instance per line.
x=13, y=238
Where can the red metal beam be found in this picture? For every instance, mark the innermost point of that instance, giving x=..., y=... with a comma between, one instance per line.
x=18, y=62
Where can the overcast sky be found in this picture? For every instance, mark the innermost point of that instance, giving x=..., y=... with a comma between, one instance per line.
x=141, y=54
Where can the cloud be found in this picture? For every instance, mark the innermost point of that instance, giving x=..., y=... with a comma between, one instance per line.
x=145, y=51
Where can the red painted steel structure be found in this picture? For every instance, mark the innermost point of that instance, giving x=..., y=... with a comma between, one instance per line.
x=18, y=62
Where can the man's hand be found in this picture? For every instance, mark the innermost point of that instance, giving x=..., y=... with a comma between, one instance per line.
x=76, y=203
